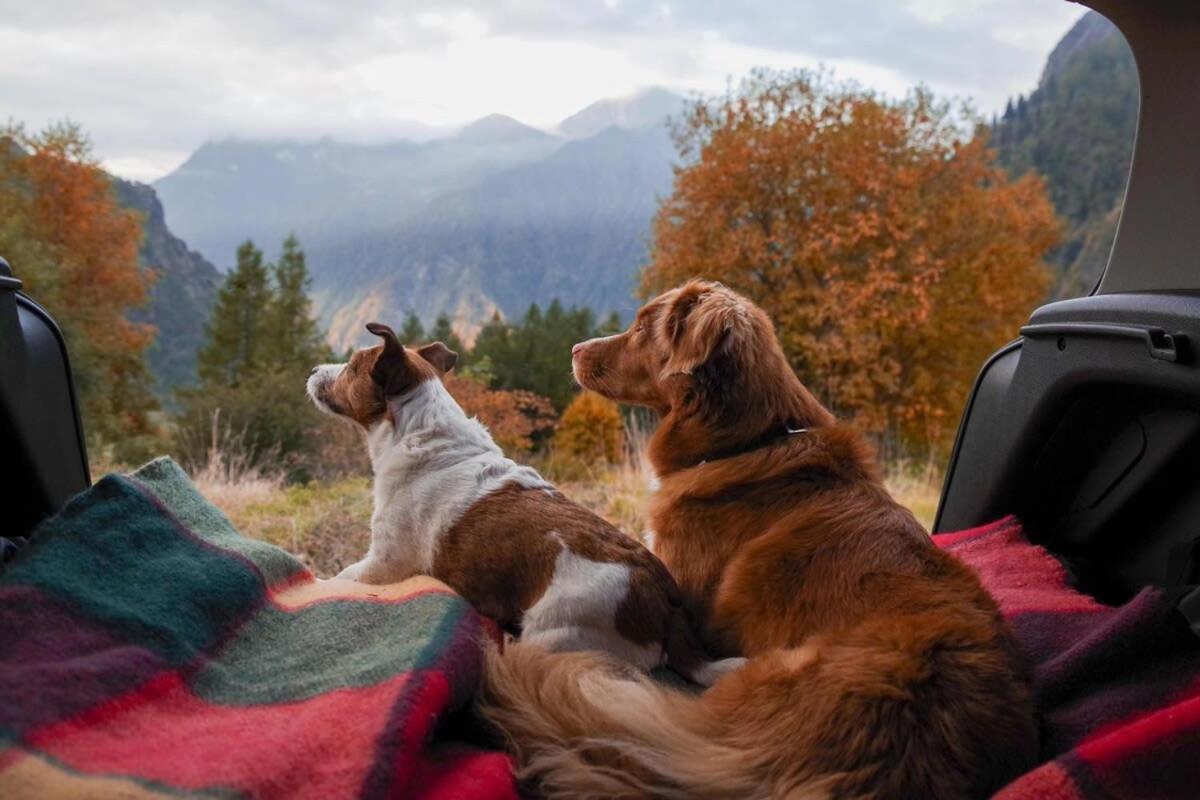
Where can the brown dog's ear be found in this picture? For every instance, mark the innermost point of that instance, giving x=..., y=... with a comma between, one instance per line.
x=700, y=321
x=442, y=357
x=391, y=372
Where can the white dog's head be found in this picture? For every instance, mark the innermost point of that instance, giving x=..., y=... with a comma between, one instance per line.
x=359, y=390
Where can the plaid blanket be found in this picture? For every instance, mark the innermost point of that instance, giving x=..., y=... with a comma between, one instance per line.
x=1118, y=689
x=146, y=649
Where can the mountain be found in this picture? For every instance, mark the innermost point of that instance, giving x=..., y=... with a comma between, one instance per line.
x=490, y=218
x=232, y=190
x=182, y=294
x=573, y=226
x=497, y=129
x=1076, y=129
x=649, y=107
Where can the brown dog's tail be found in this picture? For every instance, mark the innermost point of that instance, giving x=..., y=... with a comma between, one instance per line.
x=687, y=656
x=586, y=727
x=873, y=715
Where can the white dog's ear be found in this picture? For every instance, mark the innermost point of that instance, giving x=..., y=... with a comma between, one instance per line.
x=391, y=371
x=442, y=357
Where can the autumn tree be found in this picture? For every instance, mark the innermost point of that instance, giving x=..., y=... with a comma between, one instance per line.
x=518, y=420
x=76, y=249
x=591, y=430
x=890, y=249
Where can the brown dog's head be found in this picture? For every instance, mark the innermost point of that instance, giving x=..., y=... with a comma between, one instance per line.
x=707, y=359
x=359, y=389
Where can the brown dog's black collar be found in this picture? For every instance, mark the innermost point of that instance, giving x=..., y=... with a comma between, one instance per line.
x=773, y=435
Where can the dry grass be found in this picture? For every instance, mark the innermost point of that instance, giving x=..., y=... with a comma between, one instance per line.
x=324, y=523
x=917, y=487
x=618, y=492
x=327, y=523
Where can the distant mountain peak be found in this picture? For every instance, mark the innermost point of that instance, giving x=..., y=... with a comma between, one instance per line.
x=499, y=128
x=650, y=106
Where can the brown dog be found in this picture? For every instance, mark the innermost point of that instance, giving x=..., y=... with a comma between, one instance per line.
x=879, y=667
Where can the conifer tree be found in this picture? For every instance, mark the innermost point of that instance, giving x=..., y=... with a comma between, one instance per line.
x=235, y=331
x=291, y=338
x=413, y=331
x=442, y=331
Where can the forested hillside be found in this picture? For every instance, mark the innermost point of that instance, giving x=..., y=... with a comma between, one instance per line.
x=1077, y=130
x=181, y=294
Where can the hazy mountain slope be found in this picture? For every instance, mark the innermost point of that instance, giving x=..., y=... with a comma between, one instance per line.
x=1077, y=130
x=181, y=297
x=231, y=190
x=649, y=107
x=572, y=226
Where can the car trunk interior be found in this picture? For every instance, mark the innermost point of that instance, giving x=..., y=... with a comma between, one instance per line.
x=1088, y=426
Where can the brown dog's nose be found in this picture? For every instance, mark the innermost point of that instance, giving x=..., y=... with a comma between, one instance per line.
x=575, y=350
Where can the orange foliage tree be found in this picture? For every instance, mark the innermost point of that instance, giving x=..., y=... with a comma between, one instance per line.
x=591, y=429
x=891, y=251
x=76, y=250
x=516, y=419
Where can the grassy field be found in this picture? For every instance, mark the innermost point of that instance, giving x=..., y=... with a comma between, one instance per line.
x=327, y=524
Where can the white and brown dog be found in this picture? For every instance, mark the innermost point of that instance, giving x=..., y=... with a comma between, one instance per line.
x=448, y=503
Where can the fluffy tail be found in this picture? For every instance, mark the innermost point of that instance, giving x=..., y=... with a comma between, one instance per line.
x=878, y=714
x=586, y=727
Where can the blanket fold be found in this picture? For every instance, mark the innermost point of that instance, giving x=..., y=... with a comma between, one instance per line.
x=1118, y=688
x=147, y=649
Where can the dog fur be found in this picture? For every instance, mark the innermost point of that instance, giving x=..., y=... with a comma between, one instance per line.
x=878, y=667
x=448, y=503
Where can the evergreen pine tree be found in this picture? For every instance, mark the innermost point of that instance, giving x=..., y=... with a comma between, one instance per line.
x=442, y=331
x=413, y=331
x=494, y=344
x=234, y=335
x=292, y=339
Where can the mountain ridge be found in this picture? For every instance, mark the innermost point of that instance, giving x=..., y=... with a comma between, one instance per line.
x=1076, y=128
x=181, y=296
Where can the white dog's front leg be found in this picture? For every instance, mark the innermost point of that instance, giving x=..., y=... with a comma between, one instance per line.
x=373, y=571
x=351, y=572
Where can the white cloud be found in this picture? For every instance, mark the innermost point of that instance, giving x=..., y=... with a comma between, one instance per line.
x=151, y=82
x=938, y=11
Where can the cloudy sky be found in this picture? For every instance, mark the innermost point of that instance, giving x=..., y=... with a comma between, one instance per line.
x=152, y=80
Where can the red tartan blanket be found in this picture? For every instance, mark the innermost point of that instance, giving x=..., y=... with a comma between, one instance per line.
x=1118, y=688
x=148, y=650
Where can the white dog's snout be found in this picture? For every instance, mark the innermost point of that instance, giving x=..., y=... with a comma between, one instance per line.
x=321, y=375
